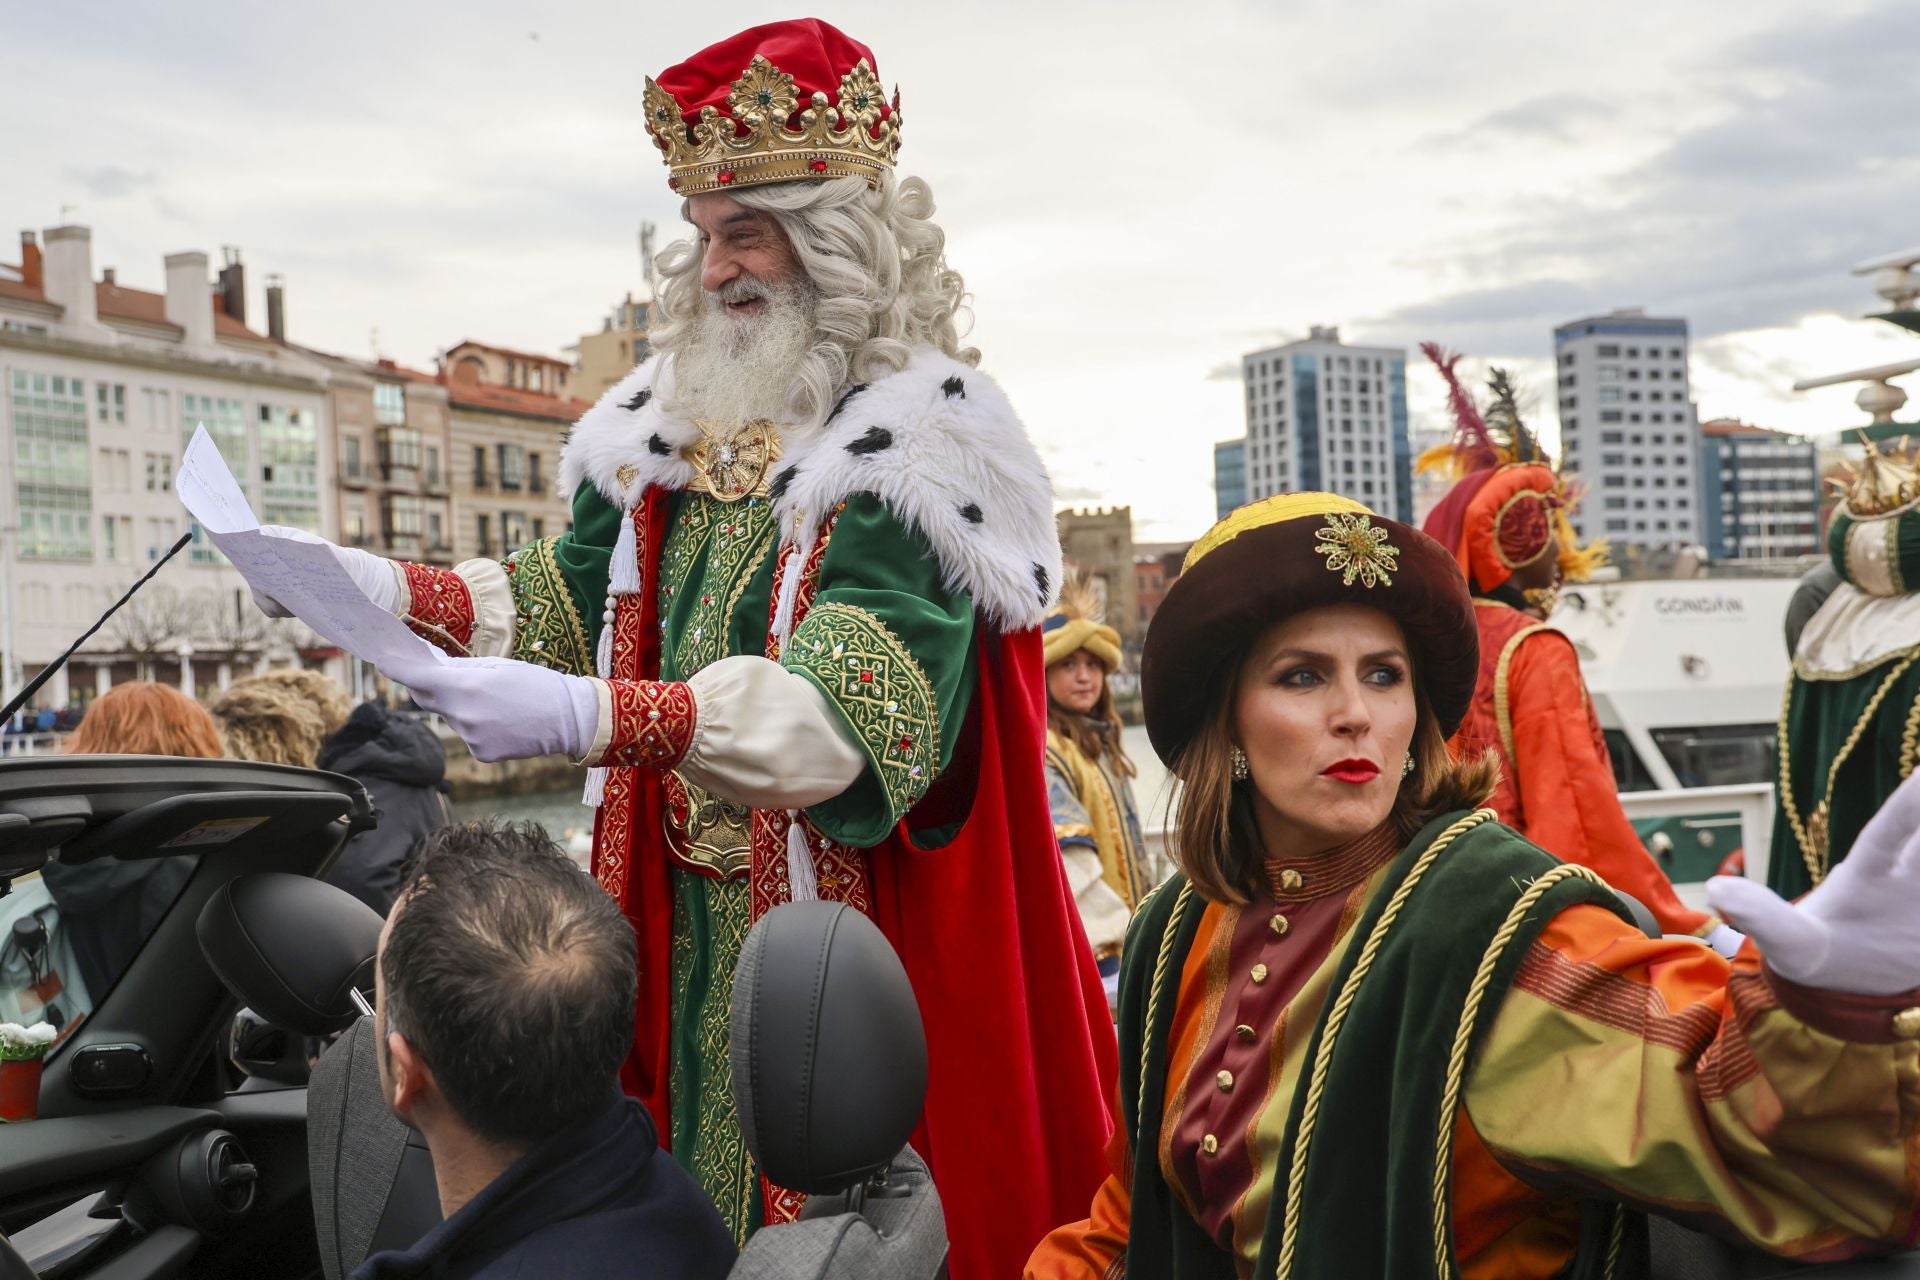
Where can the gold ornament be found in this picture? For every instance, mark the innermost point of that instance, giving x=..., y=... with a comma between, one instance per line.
x=1355, y=549
x=1882, y=485
x=758, y=143
x=734, y=466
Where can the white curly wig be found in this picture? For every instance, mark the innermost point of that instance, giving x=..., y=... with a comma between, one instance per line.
x=875, y=259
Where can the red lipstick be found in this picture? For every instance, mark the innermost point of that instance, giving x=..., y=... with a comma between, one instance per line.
x=1353, y=772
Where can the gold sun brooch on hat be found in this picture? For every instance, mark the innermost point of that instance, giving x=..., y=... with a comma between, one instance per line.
x=1355, y=549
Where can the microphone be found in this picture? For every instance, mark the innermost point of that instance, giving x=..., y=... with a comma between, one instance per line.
x=46, y=672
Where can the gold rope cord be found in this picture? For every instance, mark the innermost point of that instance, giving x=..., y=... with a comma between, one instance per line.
x=1910, y=742
x=1336, y=1017
x=1502, y=706
x=1153, y=994
x=1457, y=1059
x=1817, y=854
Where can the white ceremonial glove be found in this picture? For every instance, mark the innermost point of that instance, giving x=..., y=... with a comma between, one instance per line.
x=1725, y=940
x=1858, y=932
x=374, y=575
x=506, y=709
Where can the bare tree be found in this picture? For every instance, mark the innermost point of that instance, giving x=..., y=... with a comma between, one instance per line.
x=154, y=623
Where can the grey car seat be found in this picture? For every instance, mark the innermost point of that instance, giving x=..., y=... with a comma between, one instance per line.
x=830, y=1075
x=829, y=1062
x=296, y=950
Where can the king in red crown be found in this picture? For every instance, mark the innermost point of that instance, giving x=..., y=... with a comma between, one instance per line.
x=792, y=635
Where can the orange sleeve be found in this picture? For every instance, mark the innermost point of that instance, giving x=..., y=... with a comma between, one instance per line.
x=1654, y=1072
x=1088, y=1249
x=1566, y=782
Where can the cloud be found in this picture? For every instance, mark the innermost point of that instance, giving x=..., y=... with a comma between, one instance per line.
x=110, y=182
x=1747, y=220
x=1552, y=117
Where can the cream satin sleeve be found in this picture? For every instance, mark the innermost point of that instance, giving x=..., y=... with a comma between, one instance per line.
x=766, y=737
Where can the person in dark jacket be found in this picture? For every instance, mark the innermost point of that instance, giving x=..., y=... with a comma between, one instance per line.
x=504, y=1007
x=402, y=765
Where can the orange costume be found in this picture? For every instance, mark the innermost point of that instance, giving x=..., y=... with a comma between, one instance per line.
x=1530, y=705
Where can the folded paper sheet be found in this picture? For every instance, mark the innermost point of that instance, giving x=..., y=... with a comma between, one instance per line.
x=303, y=577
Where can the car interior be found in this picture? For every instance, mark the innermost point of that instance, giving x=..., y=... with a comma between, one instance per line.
x=182, y=1131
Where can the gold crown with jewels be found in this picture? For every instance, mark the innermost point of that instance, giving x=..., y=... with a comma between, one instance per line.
x=1882, y=485
x=756, y=140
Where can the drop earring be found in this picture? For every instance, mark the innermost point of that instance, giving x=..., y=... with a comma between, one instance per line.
x=1241, y=769
x=1406, y=770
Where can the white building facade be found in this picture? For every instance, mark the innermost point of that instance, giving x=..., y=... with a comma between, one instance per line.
x=1628, y=429
x=101, y=386
x=1324, y=415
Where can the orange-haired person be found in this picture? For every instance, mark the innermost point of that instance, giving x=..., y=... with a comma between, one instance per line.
x=109, y=907
x=1505, y=520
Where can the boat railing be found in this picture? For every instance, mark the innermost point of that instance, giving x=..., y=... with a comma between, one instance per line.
x=1747, y=807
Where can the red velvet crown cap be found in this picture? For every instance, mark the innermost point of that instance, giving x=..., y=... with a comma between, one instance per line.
x=815, y=53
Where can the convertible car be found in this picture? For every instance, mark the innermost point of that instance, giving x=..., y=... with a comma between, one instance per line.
x=208, y=1109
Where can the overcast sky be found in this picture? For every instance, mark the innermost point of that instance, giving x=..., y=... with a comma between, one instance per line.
x=1136, y=193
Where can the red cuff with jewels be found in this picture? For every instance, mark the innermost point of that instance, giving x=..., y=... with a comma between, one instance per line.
x=440, y=607
x=653, y=723
x=1862, y=1019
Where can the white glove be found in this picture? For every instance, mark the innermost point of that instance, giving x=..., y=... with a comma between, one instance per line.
x=508, y=710
x=1858, y=932
x=374, y=575
x=1725, y=940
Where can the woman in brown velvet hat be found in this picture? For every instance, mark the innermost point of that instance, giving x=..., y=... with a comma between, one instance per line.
x=1370, y=1032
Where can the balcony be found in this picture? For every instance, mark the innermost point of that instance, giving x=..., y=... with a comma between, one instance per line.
x=481, y=480
x=435, y=482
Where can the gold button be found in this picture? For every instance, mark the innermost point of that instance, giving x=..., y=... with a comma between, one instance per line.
x=1259, y=973
x=1210, y=1144
x=1279, y=925
x=1906, y=1024
x=1290, y=879
x=1225, y=1080
x=1243, y=1033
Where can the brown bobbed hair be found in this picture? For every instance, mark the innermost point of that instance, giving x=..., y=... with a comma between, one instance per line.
x=1215, y=841
x=142, y=718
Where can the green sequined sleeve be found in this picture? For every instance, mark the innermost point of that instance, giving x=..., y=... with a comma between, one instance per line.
x=560, y=585
x=890, y=647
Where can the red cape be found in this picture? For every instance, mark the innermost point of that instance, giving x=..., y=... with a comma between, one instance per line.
x=1020, y=1046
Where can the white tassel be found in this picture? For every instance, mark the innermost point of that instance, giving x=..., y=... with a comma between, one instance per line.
x=802, y=887
x=624, y=573
x=789, y=588
x=623, y=576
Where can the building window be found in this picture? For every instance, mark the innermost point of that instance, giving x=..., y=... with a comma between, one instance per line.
x=1610, y=415
x=53, y=487
x=350, y=464
x=539, y=528
x=483, y=526
x=432, y=456
x=436, y=531
x=513, y=529
x=289, y=466
x=159, y=472
x=399, y=453
x=389, y=404
x=1608, y=351
x=533, y=475
x=480, y=476
x=513, y=463
x=404, y=517
x=110, y=402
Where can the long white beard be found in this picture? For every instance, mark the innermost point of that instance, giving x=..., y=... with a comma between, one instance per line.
x=735, y=369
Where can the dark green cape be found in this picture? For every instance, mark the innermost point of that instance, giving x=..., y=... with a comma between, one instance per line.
x=1367, y=1203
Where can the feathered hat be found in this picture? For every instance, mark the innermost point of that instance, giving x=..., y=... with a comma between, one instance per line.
x=1507, y=503
x=1078, y=622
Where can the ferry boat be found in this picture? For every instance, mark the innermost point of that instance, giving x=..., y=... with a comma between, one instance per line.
x=1687, y=678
